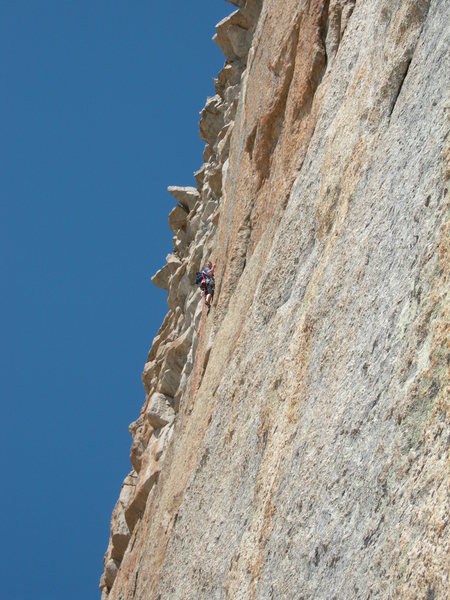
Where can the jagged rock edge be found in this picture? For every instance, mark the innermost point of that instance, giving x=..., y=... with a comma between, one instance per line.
x=193, y=221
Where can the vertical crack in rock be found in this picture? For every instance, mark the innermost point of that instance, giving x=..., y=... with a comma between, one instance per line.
x=403, y=72
x=339, y=13
x=318, y=63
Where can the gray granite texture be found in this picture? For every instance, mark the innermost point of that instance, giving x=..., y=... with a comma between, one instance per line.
x=306, y=453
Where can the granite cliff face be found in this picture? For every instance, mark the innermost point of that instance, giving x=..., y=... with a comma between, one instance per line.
x=294, y=442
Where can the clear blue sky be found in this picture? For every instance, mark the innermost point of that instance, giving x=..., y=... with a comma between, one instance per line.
x=98, y=115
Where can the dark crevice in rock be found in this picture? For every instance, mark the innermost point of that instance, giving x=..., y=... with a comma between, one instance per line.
x=338, y=17
x=135, y=582
x=405, y=68
x=250, y=142
x=206, y=359
x=400, y=71
x=317, y=70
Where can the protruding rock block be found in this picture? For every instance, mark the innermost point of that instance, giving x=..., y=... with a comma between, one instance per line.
x=233, y=36
x=215, y=180
x=177, y=218
x=141, y=431
x=120, y=534
x=168, y=381
x=187, y=196
x=173, y=298
x=178, y=349
x=111, y=568
x=148, y=374
x=163, y=441
x=199, y=177
x=136, y=450
x=230, y=75
x=159, y=410
x=137, y=506
x=127, y=491
x=161, y=277
x=179, y=243
x=251, y=9
x=147, y=478
x=208, y=153
x=223, y=147
x=174, y=362
x=211, y=119
x=134, y=426
x=184, y=288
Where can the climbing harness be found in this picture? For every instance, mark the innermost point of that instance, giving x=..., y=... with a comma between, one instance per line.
x=205, y=281
x=199, y=277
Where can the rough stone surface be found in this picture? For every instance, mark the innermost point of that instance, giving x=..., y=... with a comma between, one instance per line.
x=177, y=218
x=233, y=36
x=306, y=450
x=159, y=410
x=187, y=196
x=161, y=278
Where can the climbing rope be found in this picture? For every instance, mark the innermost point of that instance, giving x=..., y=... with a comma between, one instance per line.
x=197, y=353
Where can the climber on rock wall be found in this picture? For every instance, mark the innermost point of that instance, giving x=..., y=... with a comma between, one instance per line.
x=208, y=282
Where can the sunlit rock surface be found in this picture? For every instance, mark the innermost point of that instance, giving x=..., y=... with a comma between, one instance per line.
x=294, y=442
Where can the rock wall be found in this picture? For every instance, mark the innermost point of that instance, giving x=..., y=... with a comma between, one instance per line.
x=294, y=441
